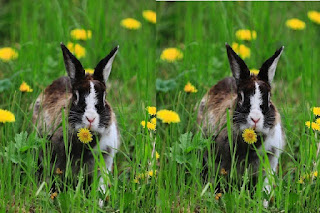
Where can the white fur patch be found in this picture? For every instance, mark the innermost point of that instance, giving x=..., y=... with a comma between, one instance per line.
x=91, y=99
x=109, y=139
x=255, y=110
x=275, y=139
x=90, y=110
x=256, y=99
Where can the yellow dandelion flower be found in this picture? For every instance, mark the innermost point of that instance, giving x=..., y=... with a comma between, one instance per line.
x=313, y=125
x=218, y=195
x=249, y=136
x=84, y=135
x=301, y=181
x=81, y=34
x=53, y=195
x=223, y=171
x=189, y=88
x=316, y=111
x=245, y=34
x=89, y=70
x=150, y=16
x=315, y=174
x=171, y=54
x=131, y=24
x=295, y=24
x=254, y=71
x=78, y=50
x=6, y=116
x=154, y=121
x=7, y=54
x=314, y=16
x=150, y=125
x=318, y=121
x=152, y=110
x=241, y=50
x=157, y=156
x=145, y=175
x=24, y=87
x=59, y=171
x=150, y=173
x=168, y=116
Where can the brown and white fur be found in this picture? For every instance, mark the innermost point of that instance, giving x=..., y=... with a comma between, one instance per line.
x=82, y=98
x=247, y=97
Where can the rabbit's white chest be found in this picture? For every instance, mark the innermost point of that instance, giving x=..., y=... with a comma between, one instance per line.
x=275, y=139
x=109, y=138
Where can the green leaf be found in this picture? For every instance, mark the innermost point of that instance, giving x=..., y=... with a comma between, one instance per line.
x=185, y=141
x=5, y=84
x=165, y=85
x=21, y=140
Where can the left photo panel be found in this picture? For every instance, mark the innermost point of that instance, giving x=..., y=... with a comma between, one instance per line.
x=77, y=106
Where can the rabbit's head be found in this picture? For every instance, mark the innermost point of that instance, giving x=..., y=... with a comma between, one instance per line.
x=88, y=105
x=254, y=108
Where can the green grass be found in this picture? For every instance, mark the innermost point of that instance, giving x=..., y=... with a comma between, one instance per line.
x=35, y=30
x=200, y=30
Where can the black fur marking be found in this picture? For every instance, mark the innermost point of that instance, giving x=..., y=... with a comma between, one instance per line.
x=267, y=108
x=270, y=117
x=78, y=70
x=242, y=111
x=235, y=60
x=77, y=110
x=103, y=109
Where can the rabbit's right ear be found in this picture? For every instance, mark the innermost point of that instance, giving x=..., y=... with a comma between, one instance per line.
x=103, y=69
x=239, y=69
x=268, y=68
x=73, y=66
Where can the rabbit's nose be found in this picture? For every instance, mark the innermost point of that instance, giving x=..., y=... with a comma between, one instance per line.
x=255, y=120
x=90, y=119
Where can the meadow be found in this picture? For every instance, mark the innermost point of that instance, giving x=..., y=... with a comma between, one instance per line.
x=34, y=31
x=199, y=31
x=171, y=179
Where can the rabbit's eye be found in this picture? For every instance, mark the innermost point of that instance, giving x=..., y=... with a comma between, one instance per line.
x=77, y=97
x=241, y=97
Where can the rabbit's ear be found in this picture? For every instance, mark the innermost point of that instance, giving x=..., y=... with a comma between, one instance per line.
x=73, y=66
x=103, y=69
x=239, y=69
x=268, y=68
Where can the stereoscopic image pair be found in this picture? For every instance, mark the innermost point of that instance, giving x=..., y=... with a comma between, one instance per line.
x=115, y=106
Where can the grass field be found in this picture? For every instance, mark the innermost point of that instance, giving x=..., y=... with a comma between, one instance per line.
x=140, y=78
x=200, y=30
x=35, y=30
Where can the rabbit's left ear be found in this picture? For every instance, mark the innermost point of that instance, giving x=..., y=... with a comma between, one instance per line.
x=103, y=69
x=268, y=68
x=73, y=66
x=238, y=67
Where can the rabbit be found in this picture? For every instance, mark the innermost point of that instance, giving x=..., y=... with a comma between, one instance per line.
x=81, y=97
x=247, y=97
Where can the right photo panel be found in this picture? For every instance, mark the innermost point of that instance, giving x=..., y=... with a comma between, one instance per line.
x=238, y=106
